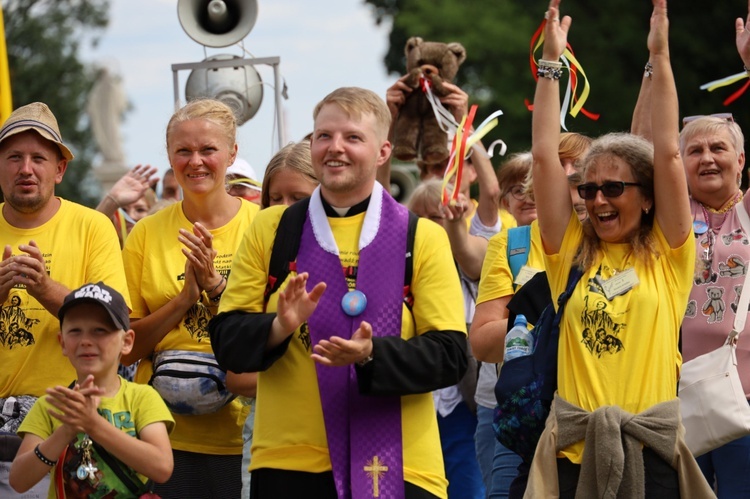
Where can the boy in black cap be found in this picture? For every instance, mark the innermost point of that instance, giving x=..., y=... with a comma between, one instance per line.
x=88, y=426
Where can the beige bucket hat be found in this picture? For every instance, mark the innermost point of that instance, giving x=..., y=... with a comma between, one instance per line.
x=38, y=117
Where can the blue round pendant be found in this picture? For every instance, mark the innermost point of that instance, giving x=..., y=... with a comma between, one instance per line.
x=700, y=227
x=354, y=303
x=82, y=472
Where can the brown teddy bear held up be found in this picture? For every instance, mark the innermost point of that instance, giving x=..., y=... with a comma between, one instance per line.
x=417, y=133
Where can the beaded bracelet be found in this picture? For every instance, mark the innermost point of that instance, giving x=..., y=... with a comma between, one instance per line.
x=550, y=73
x=42, y=457
x=549, y=69
x=648, y=71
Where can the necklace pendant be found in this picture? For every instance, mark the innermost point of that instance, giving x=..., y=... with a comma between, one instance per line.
x=700, y=227
x=354, y=303
x=82, y=472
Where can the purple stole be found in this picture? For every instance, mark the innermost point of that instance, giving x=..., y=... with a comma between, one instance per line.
x=363, y=432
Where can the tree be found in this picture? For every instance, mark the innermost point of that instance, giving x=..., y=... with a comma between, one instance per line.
x=43, y=38
x=609, y=39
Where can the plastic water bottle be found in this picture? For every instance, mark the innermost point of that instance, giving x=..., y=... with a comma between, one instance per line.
x=518, y=341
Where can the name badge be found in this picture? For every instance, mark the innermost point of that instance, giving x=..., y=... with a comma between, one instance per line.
x=525, y=275
x=619, y=284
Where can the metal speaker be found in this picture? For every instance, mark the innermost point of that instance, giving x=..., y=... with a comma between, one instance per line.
x=239, y=87
x=403, y=182
x=217, y=23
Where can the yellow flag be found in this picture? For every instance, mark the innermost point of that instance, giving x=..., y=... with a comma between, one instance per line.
x=6, y=99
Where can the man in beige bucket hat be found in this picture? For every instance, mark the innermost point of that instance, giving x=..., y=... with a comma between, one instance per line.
x=51, y=246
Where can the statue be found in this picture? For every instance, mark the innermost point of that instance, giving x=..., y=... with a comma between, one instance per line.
x=105, y=108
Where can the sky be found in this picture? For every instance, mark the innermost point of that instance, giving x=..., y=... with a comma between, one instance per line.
x=322, y=45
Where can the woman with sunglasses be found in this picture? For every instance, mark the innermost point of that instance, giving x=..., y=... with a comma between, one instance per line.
x=504, y=473
x=618, y=357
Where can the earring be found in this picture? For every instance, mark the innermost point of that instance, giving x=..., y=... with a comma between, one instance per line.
x=646, y=210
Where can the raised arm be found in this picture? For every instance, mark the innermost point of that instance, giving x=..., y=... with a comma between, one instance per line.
x=550, y=182
x=395, y=97
x=641, y=124
x=468, y=249
x=128, y=189
x=670, y=184
x=489, y=189
x=742, y=29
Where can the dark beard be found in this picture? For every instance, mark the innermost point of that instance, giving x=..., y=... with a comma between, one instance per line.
x=26, y=205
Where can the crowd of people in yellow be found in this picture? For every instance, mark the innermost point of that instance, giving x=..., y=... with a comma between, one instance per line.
x=309, y=336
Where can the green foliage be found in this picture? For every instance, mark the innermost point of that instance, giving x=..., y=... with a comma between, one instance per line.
x=43, y=38
x=608, y=38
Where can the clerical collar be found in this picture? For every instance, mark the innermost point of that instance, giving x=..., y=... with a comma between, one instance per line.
x=358, y=208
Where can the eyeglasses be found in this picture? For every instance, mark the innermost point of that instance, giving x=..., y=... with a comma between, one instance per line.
x=611, y=189
x=518, y=192
x=722, y=116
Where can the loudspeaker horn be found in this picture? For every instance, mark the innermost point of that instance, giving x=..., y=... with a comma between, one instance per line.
x=217, y=23
x=239, y=87
x=403, y=182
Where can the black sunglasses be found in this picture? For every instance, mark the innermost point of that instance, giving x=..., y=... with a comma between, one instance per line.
x=611, y=189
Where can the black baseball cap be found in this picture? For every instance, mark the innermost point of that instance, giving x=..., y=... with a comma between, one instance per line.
x=103, y=295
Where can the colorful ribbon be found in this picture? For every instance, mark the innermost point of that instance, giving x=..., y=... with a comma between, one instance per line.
x=121, y=219
x=572, y=98
x=729, y=80
x=464, y=140
x=442, y=115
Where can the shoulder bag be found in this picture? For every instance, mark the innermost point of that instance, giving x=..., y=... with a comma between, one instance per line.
x=714, y=408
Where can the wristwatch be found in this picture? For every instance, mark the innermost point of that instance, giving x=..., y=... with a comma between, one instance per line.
x=365, y=361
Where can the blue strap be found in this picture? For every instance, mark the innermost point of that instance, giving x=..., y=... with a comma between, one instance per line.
x=519, y=244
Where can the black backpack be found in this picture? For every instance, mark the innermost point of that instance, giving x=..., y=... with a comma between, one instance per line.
x=526, y=385
x=286, y=246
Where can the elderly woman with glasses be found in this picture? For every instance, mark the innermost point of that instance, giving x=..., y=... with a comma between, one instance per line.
x=616, y=411
x=712, y=149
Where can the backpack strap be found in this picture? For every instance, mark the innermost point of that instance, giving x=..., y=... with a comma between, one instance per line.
x=285, y=246
x=519, y=244
x=409, y=267
x=573, y=278
x=549, y=367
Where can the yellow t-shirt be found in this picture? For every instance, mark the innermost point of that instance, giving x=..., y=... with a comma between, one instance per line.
x=621, y=351
x=289, y=429
x=79, y=246
x=497, y=279
x=506, y=219
x=133, y=408
x=155, y=267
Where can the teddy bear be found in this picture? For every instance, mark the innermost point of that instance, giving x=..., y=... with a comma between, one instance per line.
x=417, y=134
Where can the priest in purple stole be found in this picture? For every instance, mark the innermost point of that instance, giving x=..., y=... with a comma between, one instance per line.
x=359, y=335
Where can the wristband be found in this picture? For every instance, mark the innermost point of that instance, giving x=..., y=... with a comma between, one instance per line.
x=217, y=297
x=216, y=287
x=110, y=196
x=42, y=457
x=549, y=64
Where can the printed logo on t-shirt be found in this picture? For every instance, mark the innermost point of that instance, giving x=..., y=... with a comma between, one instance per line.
x=600, y=331
x=15, y=327
x=196, y=322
